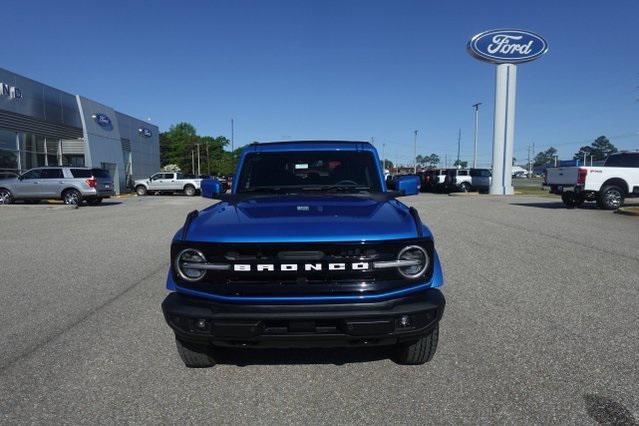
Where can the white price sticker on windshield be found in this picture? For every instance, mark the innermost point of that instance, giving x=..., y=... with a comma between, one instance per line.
x=301, y=166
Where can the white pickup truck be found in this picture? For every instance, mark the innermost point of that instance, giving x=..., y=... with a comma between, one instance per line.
x=609, y=185
x=168, y=182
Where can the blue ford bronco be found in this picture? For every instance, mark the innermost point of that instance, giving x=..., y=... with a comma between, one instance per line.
x=310, y=249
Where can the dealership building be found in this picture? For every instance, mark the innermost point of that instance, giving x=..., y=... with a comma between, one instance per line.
x=44, y=126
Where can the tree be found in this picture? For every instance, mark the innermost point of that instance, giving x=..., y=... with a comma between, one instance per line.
x=545, y=157
x=460, y=163
x=600, y=149
x=388, y=163
x=179, y=145
x=176, y=145
x=433, y=160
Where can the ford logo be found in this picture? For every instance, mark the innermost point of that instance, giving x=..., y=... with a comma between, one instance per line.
x=507, y=46
x=145, y=132
x=102, y=120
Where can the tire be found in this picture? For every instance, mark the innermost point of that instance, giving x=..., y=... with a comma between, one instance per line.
x=6, y=197
x=610, y=198
x=419, y=352
x=189, y=190
x=94, y=201
x=194, y=357
x=140, y=190
x=464, y=187
x=569, y=198
x=72, y=197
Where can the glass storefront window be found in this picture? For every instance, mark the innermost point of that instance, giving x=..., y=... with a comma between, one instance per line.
x=53, y=152
x=8, y=139
x=73, y=160
x=21, y=151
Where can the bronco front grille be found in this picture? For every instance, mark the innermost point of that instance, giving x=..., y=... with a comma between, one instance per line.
x=333, y=271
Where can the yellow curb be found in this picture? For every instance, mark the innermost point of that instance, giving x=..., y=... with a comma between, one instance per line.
x=628, y=211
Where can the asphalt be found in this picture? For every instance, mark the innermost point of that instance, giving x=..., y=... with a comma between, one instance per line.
x=541, y=325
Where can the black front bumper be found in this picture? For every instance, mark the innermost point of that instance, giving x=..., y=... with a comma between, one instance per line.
x=205, y=322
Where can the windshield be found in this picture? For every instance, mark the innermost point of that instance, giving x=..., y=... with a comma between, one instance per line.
x=344, y=171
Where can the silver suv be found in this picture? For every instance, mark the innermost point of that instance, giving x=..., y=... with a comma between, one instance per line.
x=70, y=184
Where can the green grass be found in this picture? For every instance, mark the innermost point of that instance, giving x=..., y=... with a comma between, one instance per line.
x=533, y=190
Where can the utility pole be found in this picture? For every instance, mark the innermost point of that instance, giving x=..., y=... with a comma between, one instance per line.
x=232, y=136
x=208, y=161
x=529, y=163
x=476, y=135
x=384, y=157
x=192, y=161
x=446, y=160
x=199, y=164
x=415, y=152
x=585, y=158
x=458, y=146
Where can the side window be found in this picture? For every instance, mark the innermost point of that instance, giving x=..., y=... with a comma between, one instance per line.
x=81, y=173
x=168, y=176
x=486, y=173
x=623, y=160
x=475, y=173
x=52, y=174
x=463, y=173
x=157, y=176
x=32, y=174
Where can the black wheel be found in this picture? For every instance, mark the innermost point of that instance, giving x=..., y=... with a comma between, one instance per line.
x=140, y=190
x=569, y=199
x=610, y=198
x=193, y=356
x=419, y=352
x=464, y=187
x=189, y=190
x=72, y=197
x=5, y=196
x=94, y=201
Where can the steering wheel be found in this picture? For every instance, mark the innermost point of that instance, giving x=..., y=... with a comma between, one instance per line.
x=346, y=182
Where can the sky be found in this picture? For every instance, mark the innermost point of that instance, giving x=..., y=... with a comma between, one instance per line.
x=348, y=70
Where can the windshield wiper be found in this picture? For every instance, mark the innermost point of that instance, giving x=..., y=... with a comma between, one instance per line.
x=337, y=188
x=263, y=189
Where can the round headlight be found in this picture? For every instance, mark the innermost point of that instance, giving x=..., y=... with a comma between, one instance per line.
x=418, y=259
x=186, y=258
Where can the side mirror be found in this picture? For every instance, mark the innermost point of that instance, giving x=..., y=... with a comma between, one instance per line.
x=211, y=188
x=407, y=185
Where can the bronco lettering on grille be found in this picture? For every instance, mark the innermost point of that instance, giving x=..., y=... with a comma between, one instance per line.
x=294, y=267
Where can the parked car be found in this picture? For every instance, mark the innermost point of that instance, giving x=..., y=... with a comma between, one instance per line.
x=466, y=180
x=608, y=185
x=73, y=185
x=308, y=250
x=168, y=182
x=434, y=180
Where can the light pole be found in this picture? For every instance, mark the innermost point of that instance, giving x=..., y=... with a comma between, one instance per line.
x=458, y=148
x=232, y=136
x=384, y=157
x=199, y=164
x=415, y=152
x=476, y=135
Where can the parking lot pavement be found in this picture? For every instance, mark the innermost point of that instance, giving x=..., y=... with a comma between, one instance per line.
x=541, y=325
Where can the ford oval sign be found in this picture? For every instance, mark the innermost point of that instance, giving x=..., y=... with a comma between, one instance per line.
x=102, y=119
x=507, y=46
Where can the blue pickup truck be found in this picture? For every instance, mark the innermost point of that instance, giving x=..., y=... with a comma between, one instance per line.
x=309, y=249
